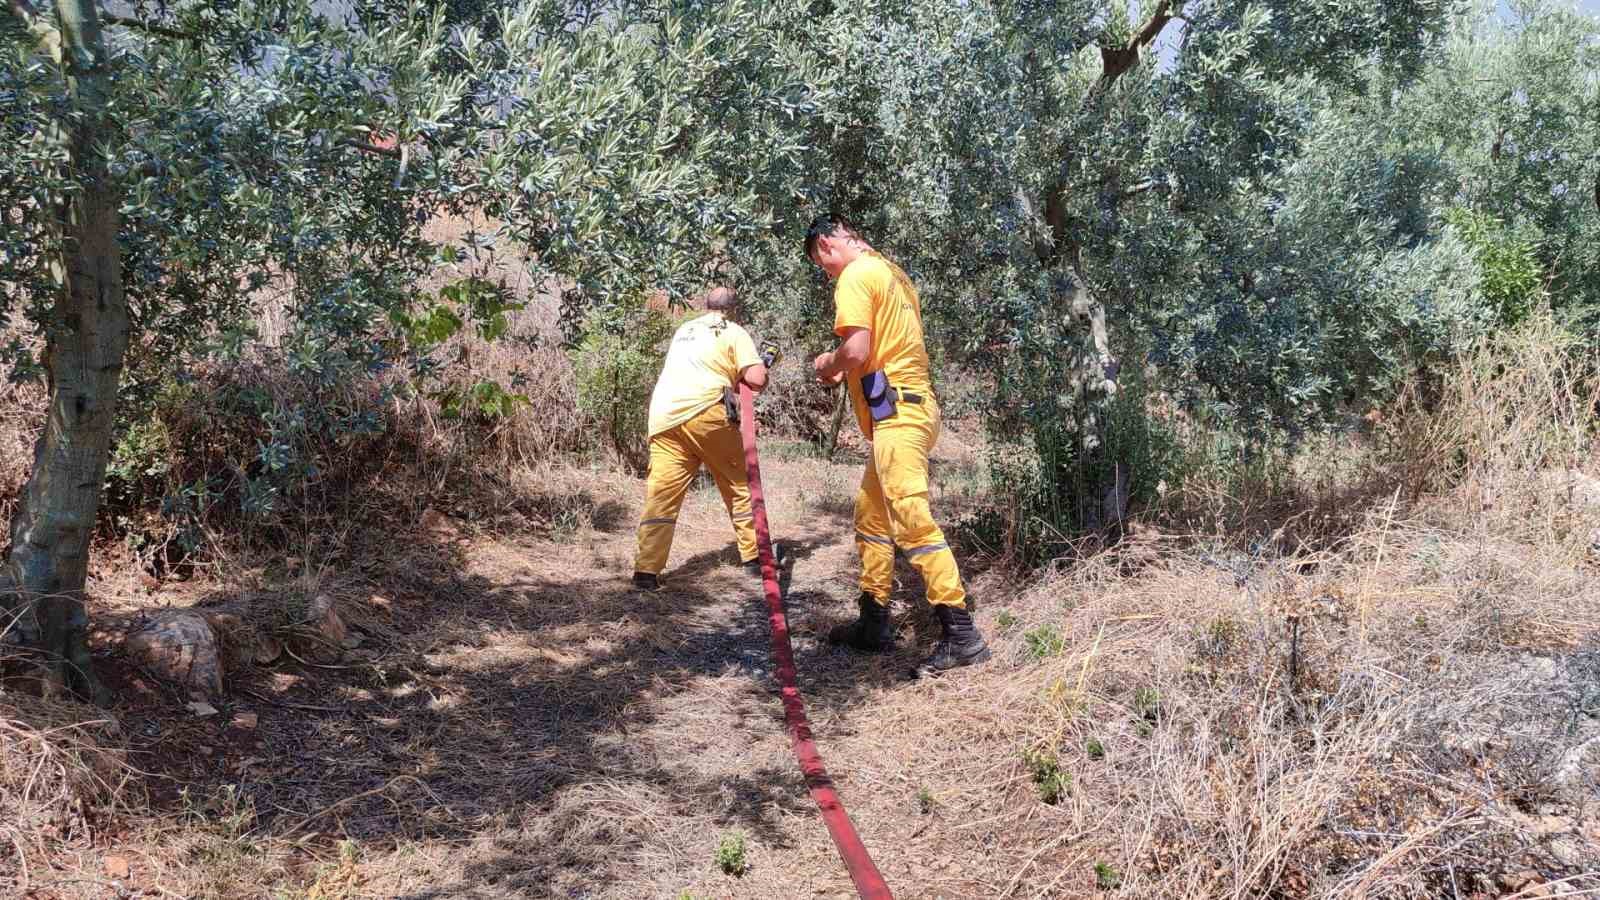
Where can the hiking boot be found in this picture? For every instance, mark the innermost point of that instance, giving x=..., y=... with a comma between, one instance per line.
x=960, y=645
x=872, y=632
x=645, y=581
x=753, y=566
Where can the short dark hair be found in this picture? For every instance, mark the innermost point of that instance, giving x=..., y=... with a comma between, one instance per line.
x=827, y=226
x=722, y=299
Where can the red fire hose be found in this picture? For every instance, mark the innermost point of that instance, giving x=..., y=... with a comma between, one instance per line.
x=869, y=884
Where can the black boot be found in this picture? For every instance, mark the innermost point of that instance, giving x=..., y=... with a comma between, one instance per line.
x=645, y=581
x=960, y=645
x=872, y=632
x=753, y=566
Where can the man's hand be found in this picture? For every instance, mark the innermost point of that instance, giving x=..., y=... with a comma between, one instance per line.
x=820, y=366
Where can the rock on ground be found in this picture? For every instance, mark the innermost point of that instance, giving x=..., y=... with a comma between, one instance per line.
x=180, y=646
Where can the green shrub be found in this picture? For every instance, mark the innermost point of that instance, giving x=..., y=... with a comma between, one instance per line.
x=1510, y=275
x=730, y=854
x=1050, y=484
x=1052, y=783
x=616, y=361
x=1044, y=642
x=1106, y=877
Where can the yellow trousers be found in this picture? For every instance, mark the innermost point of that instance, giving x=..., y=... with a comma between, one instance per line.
x=675, y=457
x=892, y=508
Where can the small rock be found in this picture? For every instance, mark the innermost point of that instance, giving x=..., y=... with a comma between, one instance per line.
x=326, y=630
x=437, y=523
x=222, y=620
x=351, y=642
x=205, y=750
x=201, y=708
x=180, y=646
x=1516, y=881
x=267, y=651
x=117, y=868
x=1568, y=851
x=246, y=720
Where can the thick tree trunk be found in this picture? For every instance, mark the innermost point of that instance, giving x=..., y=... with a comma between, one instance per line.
x=86, y=341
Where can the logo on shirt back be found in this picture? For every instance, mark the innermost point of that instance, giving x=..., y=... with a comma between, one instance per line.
x=904, y=284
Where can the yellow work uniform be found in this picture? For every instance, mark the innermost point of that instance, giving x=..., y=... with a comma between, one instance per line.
x=689, y=427
x=892, y=504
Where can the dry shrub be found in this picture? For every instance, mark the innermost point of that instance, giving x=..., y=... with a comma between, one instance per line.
x=22, y=408
x=62, y=775
x=1509, y=441
x=1374, y=721
x=1371, y=672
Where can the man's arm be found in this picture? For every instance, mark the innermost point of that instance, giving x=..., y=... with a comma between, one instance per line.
x=755, y=376
x=850, y=355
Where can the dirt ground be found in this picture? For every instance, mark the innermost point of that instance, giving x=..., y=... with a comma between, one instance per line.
x=1420, y=717
x=519, y=722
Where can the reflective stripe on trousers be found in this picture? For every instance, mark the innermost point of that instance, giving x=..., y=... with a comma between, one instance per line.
x=892, y=508
x=675, y=456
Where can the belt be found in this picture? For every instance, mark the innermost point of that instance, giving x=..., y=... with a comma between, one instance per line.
x=905, y=396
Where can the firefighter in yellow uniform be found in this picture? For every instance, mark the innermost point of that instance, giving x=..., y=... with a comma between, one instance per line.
x=884, y=364
x=690, y=425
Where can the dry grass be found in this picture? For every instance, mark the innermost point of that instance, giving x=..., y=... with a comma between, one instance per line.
x=63, y=779
x=1379, y=678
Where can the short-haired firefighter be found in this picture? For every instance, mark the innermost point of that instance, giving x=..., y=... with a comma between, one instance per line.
x=694, y=422
x=882, y=359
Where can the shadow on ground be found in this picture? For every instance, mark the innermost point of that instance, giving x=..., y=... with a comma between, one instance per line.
x=506, y=698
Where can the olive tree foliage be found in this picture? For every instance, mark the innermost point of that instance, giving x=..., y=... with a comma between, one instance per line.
x=1067, y=207
x=159, y=171
x=202, y=161
x=1506, y=113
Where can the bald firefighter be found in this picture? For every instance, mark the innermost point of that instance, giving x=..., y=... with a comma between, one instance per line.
x=884, y=364
x=693, y=422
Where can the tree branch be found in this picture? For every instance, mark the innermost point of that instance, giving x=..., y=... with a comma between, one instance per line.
x=160, y=30
x=391, y=152
x=1116, y=60
x=24, y=11
x=1148, y=184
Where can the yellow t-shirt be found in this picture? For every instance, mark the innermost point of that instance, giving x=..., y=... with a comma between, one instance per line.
x=873, y=293
x=707, y=355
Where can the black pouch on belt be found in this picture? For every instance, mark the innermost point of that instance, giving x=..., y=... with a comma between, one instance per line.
x=730, y=405
x=880, y=399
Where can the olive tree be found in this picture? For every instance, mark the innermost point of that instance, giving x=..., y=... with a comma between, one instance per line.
x=157, y=175
x=163, y=168
x=1066, y=205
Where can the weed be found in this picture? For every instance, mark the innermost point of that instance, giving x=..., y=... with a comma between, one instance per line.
x=233, y=814
x=1053, y=784
x=1147, y=703
x=564, y=527
x=924, y=800
x=1221, y=636
x=1095, y=749
x=730, y=854
x=1004, y=620
x=1044, y=642
x=1106, y=877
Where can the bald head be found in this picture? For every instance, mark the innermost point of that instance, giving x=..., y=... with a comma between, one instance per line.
x=722, y=300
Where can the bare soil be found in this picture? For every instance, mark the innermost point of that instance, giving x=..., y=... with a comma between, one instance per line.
x=519, y=722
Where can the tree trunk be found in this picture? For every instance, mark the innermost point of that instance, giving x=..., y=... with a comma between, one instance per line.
x=86, y=339
x=838, y=420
